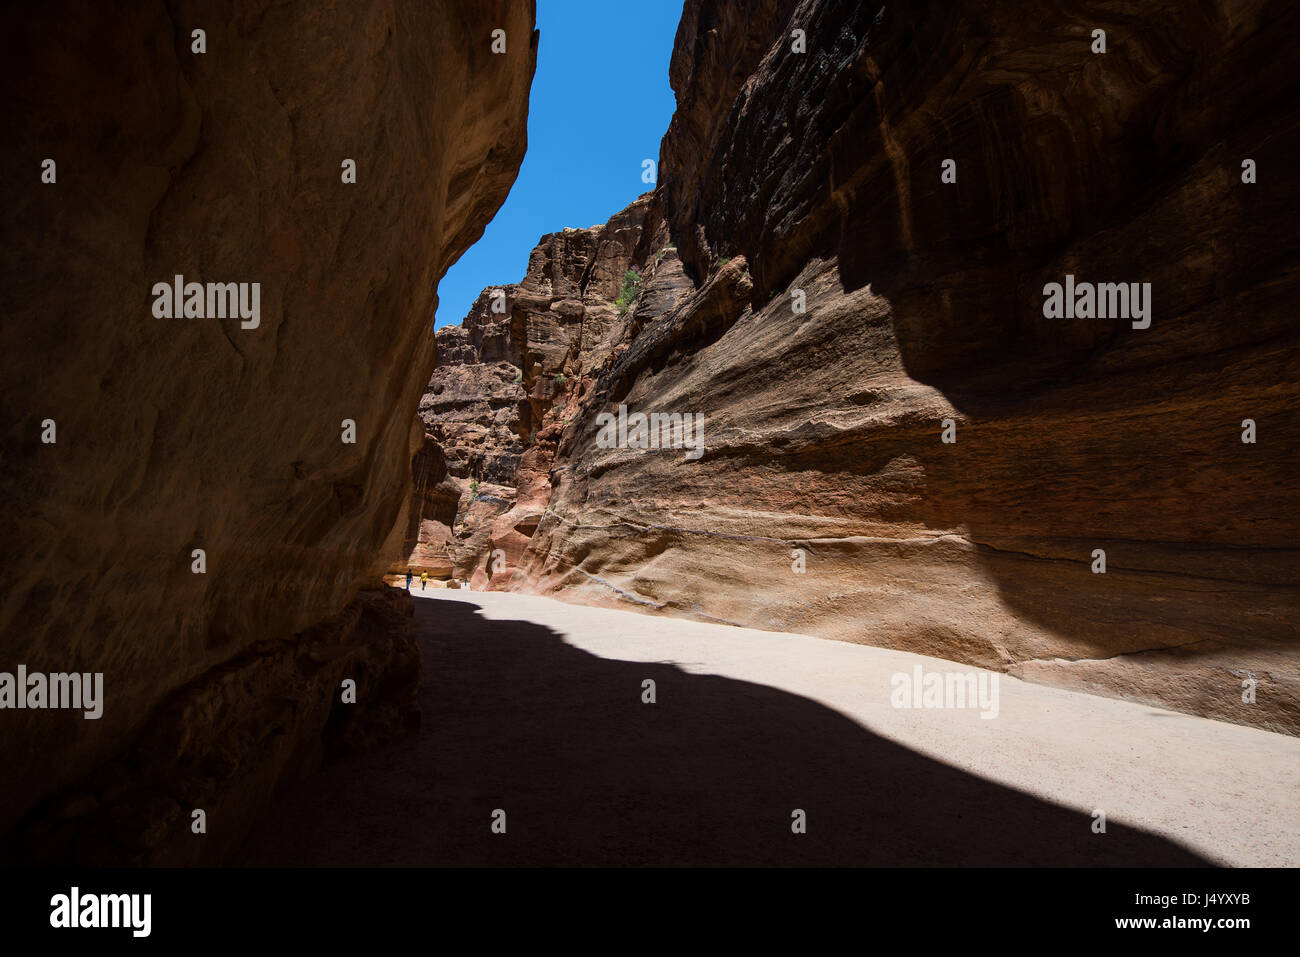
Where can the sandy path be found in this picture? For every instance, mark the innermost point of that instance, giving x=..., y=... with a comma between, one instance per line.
x=534, y=706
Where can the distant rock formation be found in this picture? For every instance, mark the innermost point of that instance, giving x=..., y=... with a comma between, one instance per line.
x=512, y=377
x=835, y=308
x=180, y=434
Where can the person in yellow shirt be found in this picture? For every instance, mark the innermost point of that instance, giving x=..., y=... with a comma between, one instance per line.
x=424, y=580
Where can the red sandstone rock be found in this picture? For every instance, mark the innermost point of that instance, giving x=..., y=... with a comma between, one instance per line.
x=510, y=382
x=176, y=434
x=820, y=172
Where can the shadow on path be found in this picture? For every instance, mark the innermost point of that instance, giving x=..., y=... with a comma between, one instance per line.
x=515, y=718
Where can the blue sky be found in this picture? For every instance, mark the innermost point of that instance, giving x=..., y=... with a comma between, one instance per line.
x=600, y=103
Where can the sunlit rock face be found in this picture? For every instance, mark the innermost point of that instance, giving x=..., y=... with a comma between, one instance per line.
x=833, y=306
x=510, y=380
x=176, y=434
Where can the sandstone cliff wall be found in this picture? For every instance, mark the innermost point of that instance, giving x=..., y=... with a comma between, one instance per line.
x=511, y=380
x=817, y=175
x=177, y=434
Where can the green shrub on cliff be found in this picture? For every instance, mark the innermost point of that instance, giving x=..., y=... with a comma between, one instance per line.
x=631, y=288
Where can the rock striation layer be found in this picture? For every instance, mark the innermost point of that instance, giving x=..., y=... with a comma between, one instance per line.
x=842, y=307
x=226, y=165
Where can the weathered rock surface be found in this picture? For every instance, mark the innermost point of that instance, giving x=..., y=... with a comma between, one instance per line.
x=512, y=376
x=180, y=434
x=817, y=175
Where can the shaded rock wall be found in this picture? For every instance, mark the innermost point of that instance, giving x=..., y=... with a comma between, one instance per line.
x=176, y=434
x=819, y=173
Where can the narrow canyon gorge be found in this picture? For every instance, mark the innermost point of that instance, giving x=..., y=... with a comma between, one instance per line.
x=839, y=272
x=811, y=285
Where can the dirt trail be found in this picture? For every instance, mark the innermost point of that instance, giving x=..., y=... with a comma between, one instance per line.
x=534, y=707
